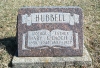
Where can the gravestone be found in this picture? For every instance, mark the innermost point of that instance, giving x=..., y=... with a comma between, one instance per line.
x=50, y=37
x=50, y=31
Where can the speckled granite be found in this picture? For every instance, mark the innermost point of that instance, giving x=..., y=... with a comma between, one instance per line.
x=52, y=62
x=50, y=51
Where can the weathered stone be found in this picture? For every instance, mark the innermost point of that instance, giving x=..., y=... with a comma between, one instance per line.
x=50, y=31
x=52, y=62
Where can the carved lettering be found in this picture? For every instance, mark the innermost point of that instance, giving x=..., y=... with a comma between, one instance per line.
x=50, y=17
x=47, y=38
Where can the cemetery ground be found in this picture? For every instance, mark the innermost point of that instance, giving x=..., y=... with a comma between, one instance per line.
x=8, y=21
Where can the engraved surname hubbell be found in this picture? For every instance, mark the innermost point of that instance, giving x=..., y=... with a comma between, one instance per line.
x=50, y=17
x=50, y=31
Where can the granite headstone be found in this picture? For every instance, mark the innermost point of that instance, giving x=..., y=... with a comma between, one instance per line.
x=50, y=31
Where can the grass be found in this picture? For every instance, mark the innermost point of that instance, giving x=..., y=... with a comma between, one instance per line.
x=8, y=19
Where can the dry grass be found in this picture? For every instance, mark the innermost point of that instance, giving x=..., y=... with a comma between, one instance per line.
x=8, y=19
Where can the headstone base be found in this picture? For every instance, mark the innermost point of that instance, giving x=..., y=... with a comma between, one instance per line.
x=53, y=62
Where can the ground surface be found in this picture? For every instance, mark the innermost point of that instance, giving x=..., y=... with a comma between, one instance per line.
x=8, y=19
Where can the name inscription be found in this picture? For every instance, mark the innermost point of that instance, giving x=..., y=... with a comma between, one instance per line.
x=47, y=38
x=50, y=17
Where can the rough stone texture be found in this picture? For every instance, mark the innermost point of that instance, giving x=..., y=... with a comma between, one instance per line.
x=52, y=62
x=50, y=51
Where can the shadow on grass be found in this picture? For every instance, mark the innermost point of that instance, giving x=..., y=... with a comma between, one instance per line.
x=10, y=45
